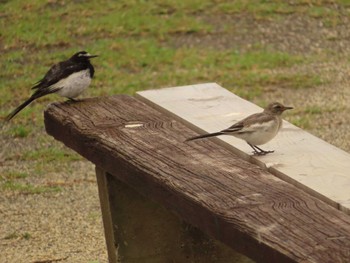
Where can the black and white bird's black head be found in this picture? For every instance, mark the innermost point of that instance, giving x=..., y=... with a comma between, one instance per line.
x=82, y=56
x=81, y=60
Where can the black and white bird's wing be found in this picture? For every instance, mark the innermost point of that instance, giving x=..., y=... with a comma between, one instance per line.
x=58, y=72
x=52, y=75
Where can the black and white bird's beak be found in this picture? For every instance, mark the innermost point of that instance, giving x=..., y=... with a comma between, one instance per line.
x=91, y=56
x=85, y=55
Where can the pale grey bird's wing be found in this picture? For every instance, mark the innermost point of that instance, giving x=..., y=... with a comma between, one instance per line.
x=251, y=124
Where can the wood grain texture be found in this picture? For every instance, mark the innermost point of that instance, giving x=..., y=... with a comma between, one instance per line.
x=299, y=158
x=205, y=184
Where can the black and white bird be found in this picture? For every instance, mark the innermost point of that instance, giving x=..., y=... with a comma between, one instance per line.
x=68, y=79
x=256, y=129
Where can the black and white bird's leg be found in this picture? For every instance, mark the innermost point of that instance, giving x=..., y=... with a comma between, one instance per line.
x=259, y=151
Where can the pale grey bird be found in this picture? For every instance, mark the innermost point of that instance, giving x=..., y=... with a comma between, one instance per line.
x=256, y=129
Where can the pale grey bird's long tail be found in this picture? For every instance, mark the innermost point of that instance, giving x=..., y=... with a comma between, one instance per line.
x=204, y=136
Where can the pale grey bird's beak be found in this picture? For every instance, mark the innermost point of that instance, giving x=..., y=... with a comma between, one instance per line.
x=288, y=108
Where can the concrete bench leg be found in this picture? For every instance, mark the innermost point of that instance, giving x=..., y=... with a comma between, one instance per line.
x=139, y=230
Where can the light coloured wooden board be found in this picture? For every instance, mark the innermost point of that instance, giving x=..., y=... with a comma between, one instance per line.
x=299, y=158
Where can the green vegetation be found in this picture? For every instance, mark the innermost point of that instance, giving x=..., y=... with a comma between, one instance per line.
x=19, y=131
x=26, y=236
x=15, y=235
x=140, y=46
x=27, y=188
x=13, y=175
x=50, y=154
x=134, y=41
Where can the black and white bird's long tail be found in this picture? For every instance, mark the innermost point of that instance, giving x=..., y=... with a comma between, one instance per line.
x=19, y=108
x=36, y=95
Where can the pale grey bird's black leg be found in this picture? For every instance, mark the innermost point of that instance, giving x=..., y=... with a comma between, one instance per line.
x=259, y=151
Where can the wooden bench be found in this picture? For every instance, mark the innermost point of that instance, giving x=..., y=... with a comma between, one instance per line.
x=164, y=200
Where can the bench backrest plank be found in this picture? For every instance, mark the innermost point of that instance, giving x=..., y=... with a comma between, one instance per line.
x=205, y=184
x=299, y=158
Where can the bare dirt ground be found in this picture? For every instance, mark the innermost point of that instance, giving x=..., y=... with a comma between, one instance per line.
x=66, y=226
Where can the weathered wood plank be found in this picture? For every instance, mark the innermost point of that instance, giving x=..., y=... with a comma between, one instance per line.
x=300, y=158
x=207, y=185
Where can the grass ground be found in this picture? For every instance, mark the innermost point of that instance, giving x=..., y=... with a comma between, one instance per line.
x=295, y=51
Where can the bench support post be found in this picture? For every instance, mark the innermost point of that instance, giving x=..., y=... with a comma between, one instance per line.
x=103, y=193
x=147, y=232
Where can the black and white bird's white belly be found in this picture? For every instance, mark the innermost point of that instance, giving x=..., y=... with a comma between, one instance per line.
x=74, y=84
x=260, y=133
